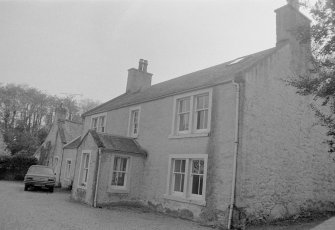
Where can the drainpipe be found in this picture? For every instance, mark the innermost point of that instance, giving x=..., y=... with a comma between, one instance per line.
x=97, y=179
x=236, y=142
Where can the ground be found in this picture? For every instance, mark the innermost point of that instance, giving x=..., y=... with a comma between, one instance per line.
x=34, y=210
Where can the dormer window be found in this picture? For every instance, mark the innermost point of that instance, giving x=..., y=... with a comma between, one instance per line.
x=99, y=123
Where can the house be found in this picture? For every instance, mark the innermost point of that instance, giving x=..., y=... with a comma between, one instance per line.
x=226, y=144
x=63, y=133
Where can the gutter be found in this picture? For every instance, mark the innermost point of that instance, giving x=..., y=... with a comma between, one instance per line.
x=97, y=179
x=236, y=142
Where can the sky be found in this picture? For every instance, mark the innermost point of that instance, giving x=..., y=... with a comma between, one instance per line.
x=84, y=48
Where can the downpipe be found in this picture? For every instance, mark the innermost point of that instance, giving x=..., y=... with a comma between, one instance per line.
x=97, y=179
x=236, y=142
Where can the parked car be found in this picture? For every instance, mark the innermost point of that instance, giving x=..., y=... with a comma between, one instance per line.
x=39, y=176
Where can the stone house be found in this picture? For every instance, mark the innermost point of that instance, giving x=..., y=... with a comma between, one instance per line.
x=226, y=144
x=63, y=133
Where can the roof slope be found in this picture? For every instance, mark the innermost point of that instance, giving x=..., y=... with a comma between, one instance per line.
x=68, y=130
x=116, y=143
x=202, y=78
x=73, y=144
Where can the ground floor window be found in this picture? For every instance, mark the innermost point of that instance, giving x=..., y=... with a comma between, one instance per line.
x=68, y=168
x=187, y=176
x=84, y=169
x=119, y=172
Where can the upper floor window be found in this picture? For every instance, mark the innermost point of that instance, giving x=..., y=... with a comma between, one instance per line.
x=99, y=123
x=134, y=118
x=192, y=113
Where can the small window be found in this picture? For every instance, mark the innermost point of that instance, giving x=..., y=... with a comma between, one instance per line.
x=236, y=61
x=85, y=161
x=187, y=177
x=55, y=162
x=98, y=123
x=68, y=169
x=119, y=172
x=134, y=118
x=95, y=123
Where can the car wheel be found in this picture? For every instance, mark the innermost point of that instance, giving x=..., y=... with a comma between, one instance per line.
x=25, y=187
x=51, y=189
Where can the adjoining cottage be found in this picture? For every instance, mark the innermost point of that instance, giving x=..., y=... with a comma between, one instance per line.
x=50, y=153
x=223, y=144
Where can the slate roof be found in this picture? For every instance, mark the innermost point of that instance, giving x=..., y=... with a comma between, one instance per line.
x=200, y=79
x=73, y=144
x=69, y=130
x=116, y=143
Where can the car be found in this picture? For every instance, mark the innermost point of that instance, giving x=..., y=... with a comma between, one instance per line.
x=40, y=176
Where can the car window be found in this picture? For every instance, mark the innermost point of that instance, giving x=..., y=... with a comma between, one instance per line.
x=40, y=170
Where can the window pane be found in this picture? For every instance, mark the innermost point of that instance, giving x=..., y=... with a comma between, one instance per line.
x=177, y=165
x=114, y=178
x=184, y=105
x=197, y=184
x=115, y=163
x=183, y=121
x=123, y=164
x=85, y=175
x=201, y=167
x=183, y=163
x=202, y=118
x=86, y=160
x=195, y=166
x=94, y=123
x=120, y=178
x=179, y=182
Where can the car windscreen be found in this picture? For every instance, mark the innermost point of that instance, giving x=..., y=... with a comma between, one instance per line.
x=40, y=170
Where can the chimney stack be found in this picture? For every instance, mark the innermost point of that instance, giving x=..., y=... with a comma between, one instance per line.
x=60, y=113
x=294, y=3
x=139, y=79
x=294, y=28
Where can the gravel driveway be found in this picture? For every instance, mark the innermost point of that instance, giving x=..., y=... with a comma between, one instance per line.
x=21, y=210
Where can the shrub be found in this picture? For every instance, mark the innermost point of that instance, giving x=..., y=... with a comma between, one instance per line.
x=15, y=167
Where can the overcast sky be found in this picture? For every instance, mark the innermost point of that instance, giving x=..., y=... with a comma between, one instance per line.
x=86, y=47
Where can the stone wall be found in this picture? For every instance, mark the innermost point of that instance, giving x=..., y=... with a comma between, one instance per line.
x=68, y=154
x=284, y=165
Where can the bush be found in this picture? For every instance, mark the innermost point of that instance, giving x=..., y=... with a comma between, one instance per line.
x=15, y=167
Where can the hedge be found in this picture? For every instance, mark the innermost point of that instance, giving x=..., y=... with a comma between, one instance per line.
x=15, y=167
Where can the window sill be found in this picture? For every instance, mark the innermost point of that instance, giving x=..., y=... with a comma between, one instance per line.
x=117, y=190
x=185, y=200
x=188, y=135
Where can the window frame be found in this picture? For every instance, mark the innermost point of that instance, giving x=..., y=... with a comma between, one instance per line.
x=130, y=122
x=99, y=127
x=186, y=196
x=68, y=169
x=125, y=187
x=55, y=162
x=82, y=184
x=192, y=130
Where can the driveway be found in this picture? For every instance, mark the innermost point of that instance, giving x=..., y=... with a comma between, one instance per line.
x=21, y=210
